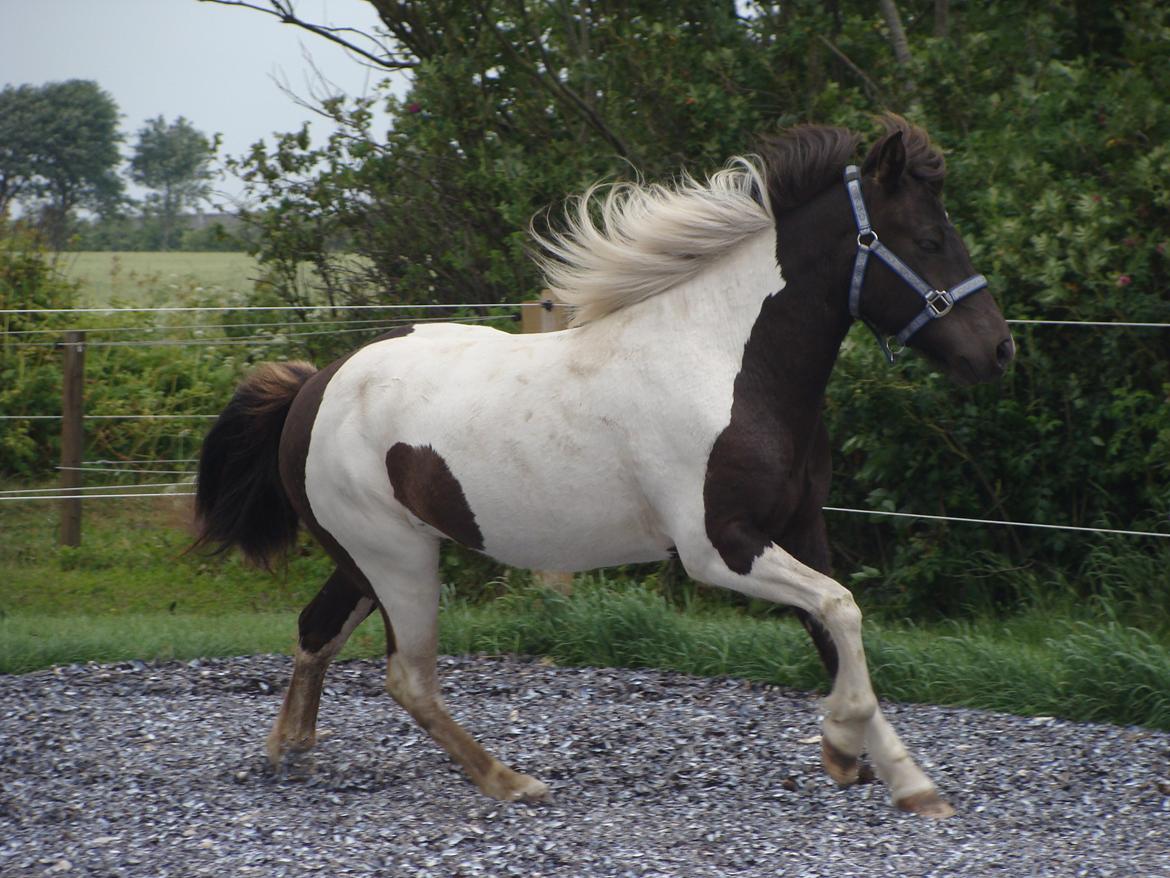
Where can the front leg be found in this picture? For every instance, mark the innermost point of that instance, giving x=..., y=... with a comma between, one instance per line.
x=742, y=559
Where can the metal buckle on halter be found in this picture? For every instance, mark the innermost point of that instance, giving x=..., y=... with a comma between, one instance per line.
x=932, y=302
x=867, y=245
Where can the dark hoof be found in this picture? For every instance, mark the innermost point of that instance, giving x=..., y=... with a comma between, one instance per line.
x=844, y=769
x=927, y=804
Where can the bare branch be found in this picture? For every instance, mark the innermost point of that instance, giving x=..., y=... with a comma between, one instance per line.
x=558, y=89
x=871, y=88
x=283, y=10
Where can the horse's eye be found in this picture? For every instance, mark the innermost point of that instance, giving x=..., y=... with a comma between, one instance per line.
x=928, y=245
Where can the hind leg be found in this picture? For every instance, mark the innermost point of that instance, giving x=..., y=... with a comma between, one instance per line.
x=408, y=589
x=324, y=625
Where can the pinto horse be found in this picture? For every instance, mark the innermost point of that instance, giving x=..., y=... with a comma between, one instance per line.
x=681, y=415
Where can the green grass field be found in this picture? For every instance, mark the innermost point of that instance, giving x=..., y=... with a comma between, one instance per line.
x=150, y=279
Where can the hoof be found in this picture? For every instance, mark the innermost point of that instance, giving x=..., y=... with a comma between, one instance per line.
x=865, y=773
x=277, y=747
x=927, y=804
x=511, y=786
x=844, y=770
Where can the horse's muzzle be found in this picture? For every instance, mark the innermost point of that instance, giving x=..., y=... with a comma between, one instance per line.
x=980, y=369
x=1005, y=352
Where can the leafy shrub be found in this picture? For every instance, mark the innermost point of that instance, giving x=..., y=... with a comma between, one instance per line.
x=30, y=372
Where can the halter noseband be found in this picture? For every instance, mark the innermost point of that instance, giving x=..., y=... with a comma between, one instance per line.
x=938, y=302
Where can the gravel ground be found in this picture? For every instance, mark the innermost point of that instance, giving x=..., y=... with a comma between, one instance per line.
x=158, y=770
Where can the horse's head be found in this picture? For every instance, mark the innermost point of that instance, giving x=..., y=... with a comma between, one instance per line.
x=940, y=306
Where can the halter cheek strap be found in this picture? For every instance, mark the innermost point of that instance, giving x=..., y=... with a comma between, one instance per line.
x=938, y=303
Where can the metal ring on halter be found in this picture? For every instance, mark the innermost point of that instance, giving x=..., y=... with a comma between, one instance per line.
x=934, y=297
x=873, y=239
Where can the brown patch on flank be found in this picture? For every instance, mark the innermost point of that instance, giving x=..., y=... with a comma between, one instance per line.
x=425, y=485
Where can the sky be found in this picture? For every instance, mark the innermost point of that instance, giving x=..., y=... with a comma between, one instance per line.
x=217, y=66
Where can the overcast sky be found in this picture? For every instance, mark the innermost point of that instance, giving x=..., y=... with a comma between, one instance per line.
x=215, y=65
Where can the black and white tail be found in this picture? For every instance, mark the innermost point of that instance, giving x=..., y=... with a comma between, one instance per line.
x=239, y=499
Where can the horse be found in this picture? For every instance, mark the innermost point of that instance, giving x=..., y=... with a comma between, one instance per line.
x=679, y=415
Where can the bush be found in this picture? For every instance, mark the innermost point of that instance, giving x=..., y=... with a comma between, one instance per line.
x=1060, y=182
x=30, y=370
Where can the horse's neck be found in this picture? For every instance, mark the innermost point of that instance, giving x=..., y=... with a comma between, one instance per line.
x=709, y=318
x=783, y=323
x=742, y=320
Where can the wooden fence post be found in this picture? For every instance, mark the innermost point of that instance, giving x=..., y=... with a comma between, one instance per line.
x=543, y=316
x=72, y=436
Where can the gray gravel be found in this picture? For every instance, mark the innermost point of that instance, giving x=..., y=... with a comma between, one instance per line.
x=158, y=770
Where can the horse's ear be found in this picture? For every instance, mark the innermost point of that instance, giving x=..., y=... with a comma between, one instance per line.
x=891, y=161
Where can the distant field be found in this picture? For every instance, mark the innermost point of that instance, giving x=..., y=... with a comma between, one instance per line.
x=156, y=278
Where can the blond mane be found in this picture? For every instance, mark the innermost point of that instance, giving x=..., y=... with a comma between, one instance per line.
x=625, y=242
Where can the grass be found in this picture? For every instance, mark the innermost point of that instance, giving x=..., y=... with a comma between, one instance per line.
x=1034, y=664
x=1079, y=670
x=149, y=278
x=132, y=561
x=161, y=278
x=129, y=592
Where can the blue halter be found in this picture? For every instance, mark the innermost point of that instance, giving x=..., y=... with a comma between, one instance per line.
x=938, y=302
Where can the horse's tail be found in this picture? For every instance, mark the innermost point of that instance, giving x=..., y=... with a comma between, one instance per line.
x=239, y=498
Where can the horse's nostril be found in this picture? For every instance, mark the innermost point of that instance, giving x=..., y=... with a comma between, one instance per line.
x=1005, y=352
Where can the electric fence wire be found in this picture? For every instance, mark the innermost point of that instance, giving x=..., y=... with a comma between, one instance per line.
x=467, y=306
x=16, y=495
x=15, y=492
x=110, y=417
x=251, y=340
x=220, y=308
x=101, y=496
x=246, y=324
x=122, y=470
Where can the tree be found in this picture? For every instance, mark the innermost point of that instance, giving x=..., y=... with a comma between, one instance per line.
x=72, y=150
x=175, y=161
x=18, y=142
x=1058, y=150
x=514, y=105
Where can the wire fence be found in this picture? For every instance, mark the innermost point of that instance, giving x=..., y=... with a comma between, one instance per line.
x=235, y=340
x=463, y=306
x=58, y=497
x=39, y=494
x=176, y=309
x=109, y=417
x=353, y=325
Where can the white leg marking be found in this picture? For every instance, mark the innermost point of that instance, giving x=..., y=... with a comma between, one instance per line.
x=893, y=762
x=778, y=577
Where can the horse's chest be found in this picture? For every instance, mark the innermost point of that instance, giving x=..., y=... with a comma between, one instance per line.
x=766, y=479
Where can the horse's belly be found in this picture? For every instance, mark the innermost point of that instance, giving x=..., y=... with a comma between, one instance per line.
x=580, y=528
